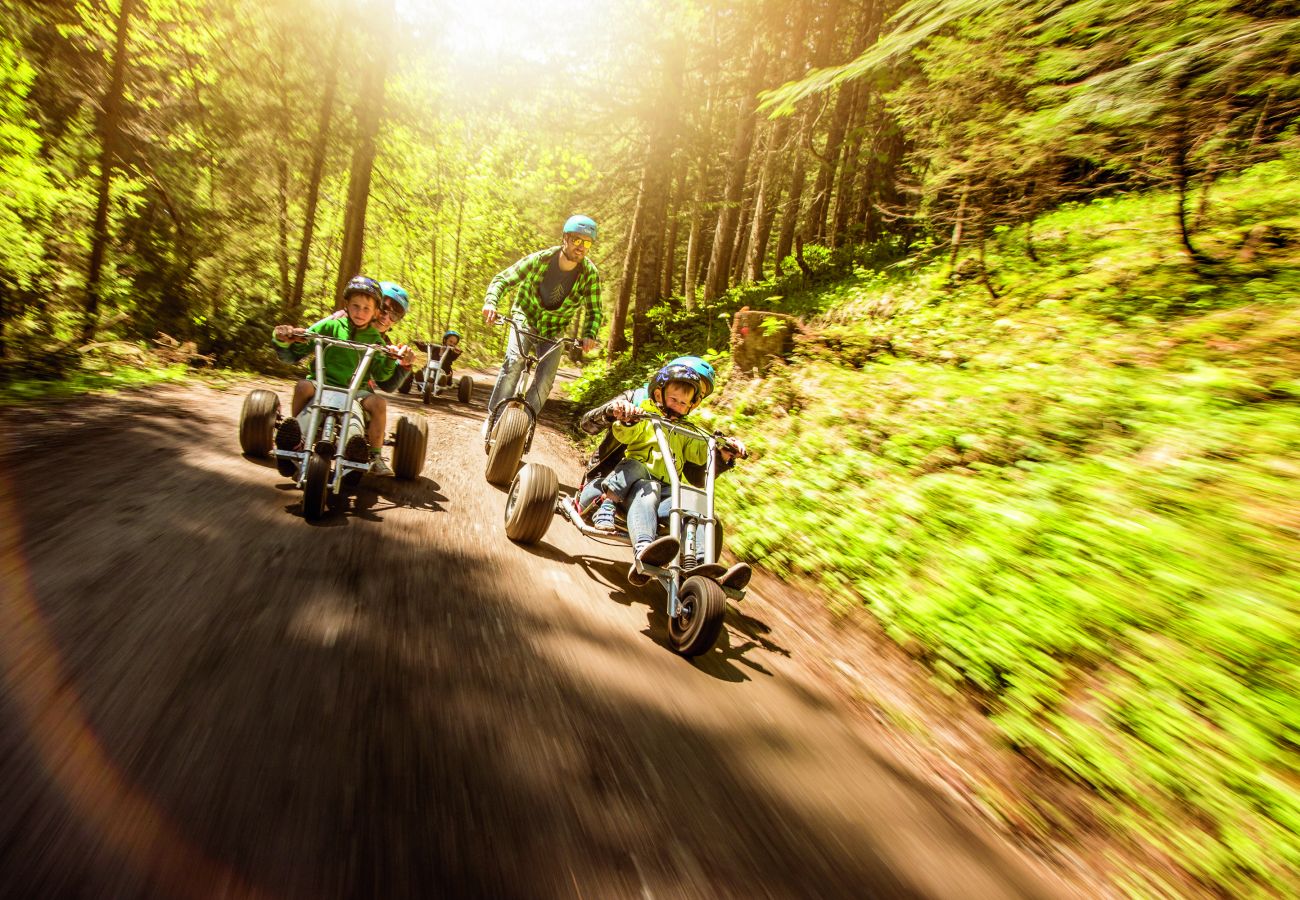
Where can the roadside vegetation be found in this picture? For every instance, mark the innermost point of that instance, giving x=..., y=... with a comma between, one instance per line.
x=1078, y=503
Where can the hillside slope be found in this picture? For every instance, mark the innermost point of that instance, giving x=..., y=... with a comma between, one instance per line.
x=1078, y=501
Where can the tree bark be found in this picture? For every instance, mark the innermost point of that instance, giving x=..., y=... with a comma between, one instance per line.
x=371, y=104
x=830, y=158
x=693, y=240
x=293, y=304
x=654, y=189
x=957, y=227
x=790, y=214
x=844, y=197
x=674, y=222
x=741, y=144
x=110, y=121
x=618, y=321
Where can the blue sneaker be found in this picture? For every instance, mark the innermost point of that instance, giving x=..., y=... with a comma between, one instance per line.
x=603, y=518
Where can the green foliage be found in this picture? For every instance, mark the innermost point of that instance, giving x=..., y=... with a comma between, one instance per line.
x=1079, y=504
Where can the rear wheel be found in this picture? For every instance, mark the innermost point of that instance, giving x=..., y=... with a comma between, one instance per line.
x=257, y=422
x=465, y=389
x=508, y=439
x=411, y=441
x=531, y=503
x=701, y=607
x=315, y=486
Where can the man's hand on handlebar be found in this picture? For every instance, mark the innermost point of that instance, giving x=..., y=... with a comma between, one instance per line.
x=588, y=344
x=404, y=355
x=491, y=316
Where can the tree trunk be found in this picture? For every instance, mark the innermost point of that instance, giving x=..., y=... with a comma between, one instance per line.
x=618, y=321
x=674, y=221
x=455, y=258
x=830, y=158
x=369, y=117
x=433, y=286
x=765, y=200
x=293, y=304
x=1182, y=179
x=743, y=227
x=957, y=227
x=662, y=128
x=690, y=275
x=844, y=197
x=741, y=144
x=108, y=131
x=790, y=214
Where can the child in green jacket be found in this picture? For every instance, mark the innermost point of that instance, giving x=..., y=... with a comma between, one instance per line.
x=355, y=322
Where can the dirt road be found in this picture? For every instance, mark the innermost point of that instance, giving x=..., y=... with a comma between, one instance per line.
x=204, y=695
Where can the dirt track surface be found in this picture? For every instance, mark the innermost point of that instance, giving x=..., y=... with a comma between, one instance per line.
x=204, y=695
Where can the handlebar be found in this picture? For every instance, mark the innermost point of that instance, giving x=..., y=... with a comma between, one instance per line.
x=686, y=429
x=302, y=334
x=563, y=342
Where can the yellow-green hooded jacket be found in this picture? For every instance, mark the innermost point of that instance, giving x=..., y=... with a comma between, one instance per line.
x=642, y=444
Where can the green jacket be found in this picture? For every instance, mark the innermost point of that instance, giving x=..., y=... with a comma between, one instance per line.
x=528, y=274
x=642, y=444
x=341, y=362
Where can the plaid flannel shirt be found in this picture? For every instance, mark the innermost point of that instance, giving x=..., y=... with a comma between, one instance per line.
x=528, y=274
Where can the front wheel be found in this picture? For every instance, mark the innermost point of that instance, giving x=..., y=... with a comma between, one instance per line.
x=701, y=607
x=411, y=441
x=531, y=503
x=427, y=393
x=508, y=440
x=257, y=422
x=315, y=486
x=465, y=389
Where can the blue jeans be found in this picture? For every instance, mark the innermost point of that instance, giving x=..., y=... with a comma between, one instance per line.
x=646, y=498
x=543, y=374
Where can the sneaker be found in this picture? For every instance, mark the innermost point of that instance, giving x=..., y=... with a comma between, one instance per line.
x=656, y=553
x=379, y=467
x=659, y=551
x=288, y=437
x=603, y=518
x=637, y=578
x=707, y=570
x=737, y=576
x=357, y=449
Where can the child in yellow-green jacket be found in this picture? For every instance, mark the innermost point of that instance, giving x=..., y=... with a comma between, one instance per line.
x=640, y=480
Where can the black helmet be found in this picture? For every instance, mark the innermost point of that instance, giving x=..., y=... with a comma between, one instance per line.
x=362, y=284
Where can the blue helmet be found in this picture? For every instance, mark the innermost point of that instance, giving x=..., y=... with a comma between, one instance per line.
x=449, y=333
x=685, y=369
x=395, y=292
x=583, y=225
x=702, y=368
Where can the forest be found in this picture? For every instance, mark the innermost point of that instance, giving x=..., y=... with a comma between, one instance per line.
x=1031, y=245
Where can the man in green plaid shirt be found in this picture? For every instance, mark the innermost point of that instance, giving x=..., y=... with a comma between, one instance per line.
x=553, y=285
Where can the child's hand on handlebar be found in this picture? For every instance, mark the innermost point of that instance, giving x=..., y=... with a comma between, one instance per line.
x=624, y=411
x=289, y=334
x=402, y=353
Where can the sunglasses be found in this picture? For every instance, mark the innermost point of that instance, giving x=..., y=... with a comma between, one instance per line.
x=393, y=311
x=580, y=241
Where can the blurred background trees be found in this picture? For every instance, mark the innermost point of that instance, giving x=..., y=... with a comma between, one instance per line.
x=208, y=168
